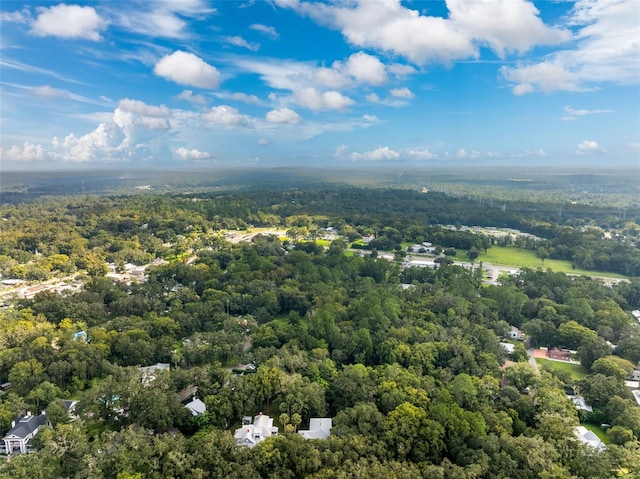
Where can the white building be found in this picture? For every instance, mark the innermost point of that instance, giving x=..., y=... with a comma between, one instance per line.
x=319, y=428
x=252, y=434
x=21, y=432
x=196, y=406
x=589, y=438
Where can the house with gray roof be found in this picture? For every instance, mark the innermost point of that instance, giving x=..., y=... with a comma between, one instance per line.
x=589, y=438
x=319, y=428
x=251, y=434
x=196, y=407
x=22, y=431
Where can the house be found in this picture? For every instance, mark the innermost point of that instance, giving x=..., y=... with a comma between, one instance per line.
x=21, y=432
x=636, y=395
x=508, y=347
x=589, y=438
x=515, y=333
x=196, y=406
x=559, y=354
x=580, y=403
x=251, y=434
x=636, y=314
x=149, y=372
x=635, y=375
x=319, y=428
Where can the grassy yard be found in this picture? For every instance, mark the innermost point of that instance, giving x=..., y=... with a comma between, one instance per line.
x=523, y=258
x=576, y=371
x=598, y=431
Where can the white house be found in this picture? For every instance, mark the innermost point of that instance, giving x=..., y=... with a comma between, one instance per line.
x=196, y=406
x=22, y=431
x=635, y=375
x=319, y=428
x=515, y=333
x=252, y=434
x=589, y=438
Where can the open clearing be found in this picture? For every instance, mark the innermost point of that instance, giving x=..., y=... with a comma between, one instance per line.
x=522, y=258
x=576, y=371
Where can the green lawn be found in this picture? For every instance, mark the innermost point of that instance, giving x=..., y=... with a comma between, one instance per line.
x=598, y=431
x=523, y=258
x=576, y=371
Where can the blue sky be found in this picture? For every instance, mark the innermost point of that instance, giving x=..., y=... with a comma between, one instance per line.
x=355, y=83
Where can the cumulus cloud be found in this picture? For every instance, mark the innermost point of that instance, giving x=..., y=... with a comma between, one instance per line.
x=544, y=76
x=68, y=21
x=238, y=41
x=590, y=146
x=571, y=113
x=366, y=69
x=265, y=29
x=402, y=93
x=185, y=68
x=606, y=50
x=315, y=100
x=340, y=151
x=381, y=153
x=135, y=132
x=263, y=142
x=359, y=68
x=283, y=115
x=424, y=154
x=193, y=154
x=26, y=152
x=225, y=115
x=502, y=25
x=188, y=95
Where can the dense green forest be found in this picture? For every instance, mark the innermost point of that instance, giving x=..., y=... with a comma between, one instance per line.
x=406, y=360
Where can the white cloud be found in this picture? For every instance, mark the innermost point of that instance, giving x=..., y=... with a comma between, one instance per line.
x=47, y=91
x=185, y=68
x=366, y=69
x=263, y=142
x=225, y=115
x=161, y=19
x=370, y=118
x=572, y=114
x=193, y=154
x=26, y=152
x=68, y=21
x=135, y=132
x=137, y=113
x=328, y=100
x=544, y=76
x=283, y=115
x=502, y=25
x=606, y=50
x=340, y=151
x=188, y=95
x=359, y=68
x=590, y=146
x=238, y=41
x=22, y=16
x=373, y=98
x=243, y=97
x=400, y=70
x=381, y=153
x=422, y=154
x=265, y=29
x=402, y=93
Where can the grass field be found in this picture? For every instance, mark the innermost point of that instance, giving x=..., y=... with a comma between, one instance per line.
x=523, y=258
x=576, y=371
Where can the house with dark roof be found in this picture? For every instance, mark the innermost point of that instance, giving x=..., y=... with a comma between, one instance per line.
x=22, y=431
